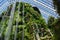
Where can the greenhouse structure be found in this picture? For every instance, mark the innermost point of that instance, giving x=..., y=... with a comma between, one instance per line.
x=29, y=19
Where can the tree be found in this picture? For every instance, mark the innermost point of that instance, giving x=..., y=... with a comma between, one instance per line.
x=57, y=5
x=53, y=24
x=56, y=25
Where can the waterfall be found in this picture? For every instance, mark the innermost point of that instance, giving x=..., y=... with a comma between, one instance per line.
x=8, y=31
x=23, y=24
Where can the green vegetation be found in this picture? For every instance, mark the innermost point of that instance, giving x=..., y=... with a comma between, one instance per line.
x=28, y=24
x=54, y=25
x=57, y=5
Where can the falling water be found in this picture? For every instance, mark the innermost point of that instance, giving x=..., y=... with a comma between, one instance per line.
x=19, y=13
x=16, y=29
x=17, y=22
x=8, y=31
x=23, y=24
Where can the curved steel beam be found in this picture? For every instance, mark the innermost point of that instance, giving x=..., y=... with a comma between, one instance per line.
x=43, y=5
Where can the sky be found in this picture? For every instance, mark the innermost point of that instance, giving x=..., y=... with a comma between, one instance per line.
x=45, y=11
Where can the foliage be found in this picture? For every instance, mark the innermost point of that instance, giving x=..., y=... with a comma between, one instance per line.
x=57, y=5
x=30, y=24
x=54, y=25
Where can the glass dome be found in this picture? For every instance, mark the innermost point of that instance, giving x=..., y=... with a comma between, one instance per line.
x=28, y=20
x=45, y=7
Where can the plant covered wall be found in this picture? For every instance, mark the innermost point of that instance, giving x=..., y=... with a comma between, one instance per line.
x=26, y=23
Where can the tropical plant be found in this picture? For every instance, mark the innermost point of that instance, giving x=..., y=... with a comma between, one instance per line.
x=54, y=26
x=23, y=23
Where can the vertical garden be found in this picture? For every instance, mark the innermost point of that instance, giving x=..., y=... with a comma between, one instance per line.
x=21, y=21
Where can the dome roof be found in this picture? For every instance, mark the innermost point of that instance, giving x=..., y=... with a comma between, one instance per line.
x=46, y=7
